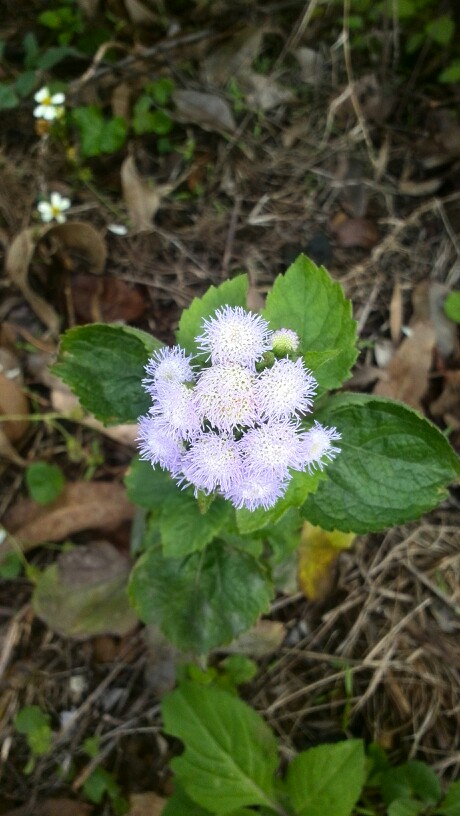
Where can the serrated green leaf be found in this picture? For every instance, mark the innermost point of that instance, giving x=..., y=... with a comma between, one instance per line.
x=203, y=600
x=394, y=465
x=147, y=486
x=300, y=486
x=184, y=528
x=104, y=367
x=232, y=293
x=307, y=300
x=450, y=805
x=327, y=779
x=230, y=755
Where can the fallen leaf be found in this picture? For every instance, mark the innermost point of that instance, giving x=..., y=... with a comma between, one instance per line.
x=13, y=401
x=407, y=375
x=318, y=553
x=354, y=232
x=106, y=299
x=420, y=188
x=142, y=198
x=447, y=405
x=375, y=103
x=162, y=660
x=81, y=506
x=208, y=111
x=264, y=92
x=73, y=236
x=146, y=804
x=311, y=65
x=233, y=58
x=85, y=593
x=140, y=14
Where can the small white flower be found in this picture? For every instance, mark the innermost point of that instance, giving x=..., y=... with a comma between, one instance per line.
x=285, y=341
x=213, y=461
x=54, y=208
x=168, y=365
x=285, y=389
x=117, y=229
x=50, y=106
x=225, y=396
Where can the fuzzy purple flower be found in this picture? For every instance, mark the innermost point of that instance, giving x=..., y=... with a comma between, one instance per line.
x=272, y=448
x=256, y=491
x=174, y=405
x=157, y=446
x=225, y=397
x=318, y=447
x=285, y=389
x=234, y=336
x=213, y=461
x=168, y=365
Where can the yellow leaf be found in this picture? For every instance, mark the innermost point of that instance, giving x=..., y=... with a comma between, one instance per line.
x=318, y=552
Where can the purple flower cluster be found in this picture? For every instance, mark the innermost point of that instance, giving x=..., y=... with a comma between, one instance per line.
x=233, y=426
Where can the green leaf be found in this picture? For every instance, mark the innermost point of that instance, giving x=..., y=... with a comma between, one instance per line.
x=452, y=301
x=147, y=121
x=307, y=300
x=203, y=600
x=44, y=482
x=147, y=486
x=232, y=293
x=8, y=97
x=104, y=367
x=99, y=783
x=184, y=528
x=99, y=135
x=393, y=466
x=450, y=805
x=451, y=74
x=413, y=779
x=405, y=807
x=25, y=83
x=53, y=56
x=11, y=565
x=230, y=755
x=161, y=90
x=327, y=779
x=441, y=30
x=34, y=724
x=300, y=486
x=239, y=668
x=180, y=804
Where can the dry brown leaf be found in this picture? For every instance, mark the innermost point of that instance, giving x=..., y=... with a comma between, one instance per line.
x=139, y=13
x=447, y=405
x=106, y=299
x=354, y=232
x=407, y=375
x=146, y=804
x=233, y=58
x=264, y=92
x=54, y=807
x=74, y=235
x=12, y=402
x=141, y=198
x=420, y=188
x=81, y=506
x=208, y=111
x=311, y=65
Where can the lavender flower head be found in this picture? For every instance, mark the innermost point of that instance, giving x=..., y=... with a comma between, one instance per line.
x=234, y=426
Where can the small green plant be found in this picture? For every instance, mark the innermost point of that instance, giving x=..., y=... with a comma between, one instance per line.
x=45, y=482
x=35, y=725
x=230, y=765
x=101, y=783
x=452, y=306
x=253, y=459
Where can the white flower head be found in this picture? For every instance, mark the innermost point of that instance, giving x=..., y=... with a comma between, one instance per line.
x=285, y=341
x=285, y=389
x=50, y=106
x=54, y=209
x=225, y=396
x=257, y=491
x=318, y=446
x=213, y=461
x=168, y=365
x=234, y=335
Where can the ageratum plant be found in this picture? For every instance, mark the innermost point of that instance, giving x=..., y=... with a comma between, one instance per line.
x=241, y=442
